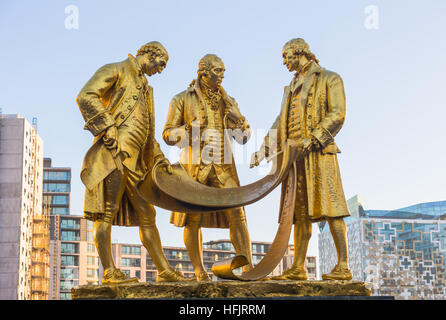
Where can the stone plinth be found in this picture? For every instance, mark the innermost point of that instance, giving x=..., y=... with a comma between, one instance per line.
x=221, y=289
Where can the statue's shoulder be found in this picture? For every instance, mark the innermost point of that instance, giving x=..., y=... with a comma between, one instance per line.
x=183, y=94
x=114, y=65
x=330, y=75
x=179, y=97
x=231, y=98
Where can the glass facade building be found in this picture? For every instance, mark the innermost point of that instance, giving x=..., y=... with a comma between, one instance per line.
x=56, y=189
x=400, y=253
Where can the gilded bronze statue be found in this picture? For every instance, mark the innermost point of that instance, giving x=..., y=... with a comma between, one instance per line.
x=202, y=121
x=312, y=113
x=117, y=106
x=125, y=172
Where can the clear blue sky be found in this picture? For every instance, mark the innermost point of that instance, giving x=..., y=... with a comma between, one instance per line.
x=393, y=141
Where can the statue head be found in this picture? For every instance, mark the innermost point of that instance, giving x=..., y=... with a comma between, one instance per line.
x=152, y=57
x=296, y=54
x=211, y=70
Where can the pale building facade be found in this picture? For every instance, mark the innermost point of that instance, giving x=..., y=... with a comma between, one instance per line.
x=24, y=253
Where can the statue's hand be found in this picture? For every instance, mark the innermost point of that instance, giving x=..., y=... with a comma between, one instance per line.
x=256, y=158
x=233, y=112
x=164, y=162
x=308, y=144
x=110, y=139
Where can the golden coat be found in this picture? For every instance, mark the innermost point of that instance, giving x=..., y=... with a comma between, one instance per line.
x=323, y=97
x=108, y=99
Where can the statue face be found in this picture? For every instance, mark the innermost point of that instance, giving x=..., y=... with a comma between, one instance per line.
x=156, y=65
x=293, y=61
x=290, y=59
x=216, y=73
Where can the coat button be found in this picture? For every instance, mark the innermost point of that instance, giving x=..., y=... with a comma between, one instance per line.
x=122, y=116
x=309, y=117
x=135, y=97
x=138, y=87
x=129, y=107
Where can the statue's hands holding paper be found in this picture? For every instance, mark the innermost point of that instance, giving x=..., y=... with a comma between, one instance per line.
x=309, y=144
x=304, y=146
x=164, y=162
x=256, y=158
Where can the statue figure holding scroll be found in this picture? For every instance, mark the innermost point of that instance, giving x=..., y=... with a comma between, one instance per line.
x=202, y=121
x=117, y=106
x=312, y=113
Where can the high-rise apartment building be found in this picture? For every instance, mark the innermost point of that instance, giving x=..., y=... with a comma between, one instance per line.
x=24, y=255
x=400, y=253
x=74, y=260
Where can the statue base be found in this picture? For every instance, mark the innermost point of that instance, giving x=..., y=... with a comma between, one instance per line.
x=222, y=289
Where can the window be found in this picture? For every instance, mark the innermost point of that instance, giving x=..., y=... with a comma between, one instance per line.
x=138, y=274
x=91, y=261
x=219, y=246
x=56, y=210
x=91, y=248
x=69, y=273
x=90, y=236
x=91, y=272
x=65, y=296
x=61, y=200
x=70, y=236
x=130, y=262
x=57, y=175
x=56, y=187
x=259, y=248
x=131, y=250
x=69, y=261
x=70, y=224
x=67, y=284
x=69, y=248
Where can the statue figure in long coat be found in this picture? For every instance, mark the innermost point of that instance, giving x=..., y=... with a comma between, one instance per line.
x=202, y=121
x=312, y=113
x=117, y=106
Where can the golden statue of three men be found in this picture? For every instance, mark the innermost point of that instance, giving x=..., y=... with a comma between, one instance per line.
x=117, y=106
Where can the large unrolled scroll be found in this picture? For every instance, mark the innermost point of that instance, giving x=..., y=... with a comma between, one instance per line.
x=184, y=190
x=176, y=191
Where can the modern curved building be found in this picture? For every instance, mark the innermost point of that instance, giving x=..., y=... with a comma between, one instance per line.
x=400, y=253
